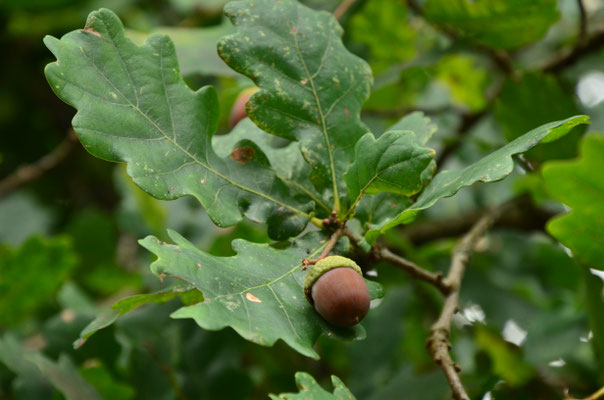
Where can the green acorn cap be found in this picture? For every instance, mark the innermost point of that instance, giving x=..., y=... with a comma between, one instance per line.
x=321, y=267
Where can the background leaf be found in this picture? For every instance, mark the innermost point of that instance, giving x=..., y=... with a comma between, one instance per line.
x=502, y=24
x=62, y=374
x=579, y=184
x=37, y=268
x=533, y=100
x=195, y=48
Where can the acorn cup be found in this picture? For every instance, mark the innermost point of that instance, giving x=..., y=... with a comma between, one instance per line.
x=337, y=290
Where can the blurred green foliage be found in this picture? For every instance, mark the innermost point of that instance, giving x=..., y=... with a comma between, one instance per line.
x=68, y=241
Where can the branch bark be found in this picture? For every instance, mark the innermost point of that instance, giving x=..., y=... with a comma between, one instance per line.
x=438, y=342
x=523, y=216
x=30, y=172
x=568, y=59
x=343, y=8
x=383, y=254
x=500, y=58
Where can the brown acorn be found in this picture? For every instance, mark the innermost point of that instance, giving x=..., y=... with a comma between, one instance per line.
x=336, y=288
x=238, y=110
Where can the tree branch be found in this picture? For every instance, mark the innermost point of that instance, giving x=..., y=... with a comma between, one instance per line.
x=438, y=342
x=597, y=395
x=524, y=216
x=500, y=58
x=413, y=269
x=29, y=172
x=343, y=8
x=582, y=23
x=402, y=111
x=383, y=254
x=565, y=60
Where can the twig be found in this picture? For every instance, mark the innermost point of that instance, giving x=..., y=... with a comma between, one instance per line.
x=500, y=58
x=383, y=254
x=582, y=24
x=29, y=172
x=402, y=111
x=330, y=245
x=167, y=370
x=413, y=269
x=342, y=8
x=595, y=396
x=438, y=342
x=565, y=60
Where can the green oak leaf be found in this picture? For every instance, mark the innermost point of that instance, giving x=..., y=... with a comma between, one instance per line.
x=31, y=275
x=424, y=128
x=310, y=389
x=501, y=24
x=283, y=155
x=392, y=163
x=311, y=87
x=195, y=48
x=491, y=168
x=133, y=106
x=187, y=293
x=258, y=292
x=579, y=185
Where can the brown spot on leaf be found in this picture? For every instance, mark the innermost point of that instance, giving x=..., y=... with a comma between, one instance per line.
x=253, y=298
x=92, y=32
x=243, y=154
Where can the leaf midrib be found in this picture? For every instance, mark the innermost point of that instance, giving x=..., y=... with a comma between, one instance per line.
x=336, y=197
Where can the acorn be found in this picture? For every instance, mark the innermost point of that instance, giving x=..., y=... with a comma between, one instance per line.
x=337, y=290
x=238, y=110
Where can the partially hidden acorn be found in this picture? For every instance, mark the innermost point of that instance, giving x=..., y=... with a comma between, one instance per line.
x=238, y=110
x=337, y=290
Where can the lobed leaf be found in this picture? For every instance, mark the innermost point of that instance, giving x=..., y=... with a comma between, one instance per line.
x=133, y=106
x=493, y=167
x=310, y=389
x=579, y=185
x=392, y=163
x=258, y=292
x=311, y=87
